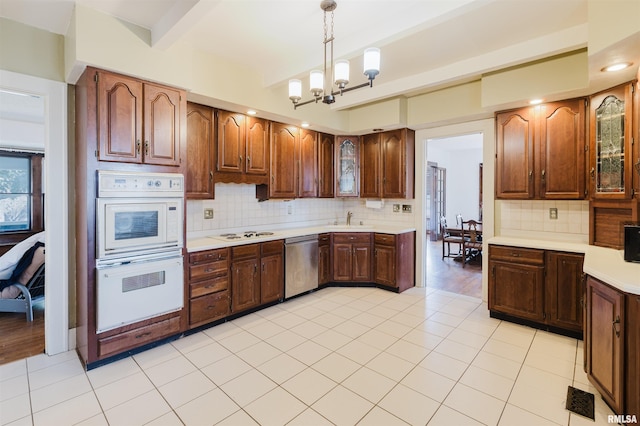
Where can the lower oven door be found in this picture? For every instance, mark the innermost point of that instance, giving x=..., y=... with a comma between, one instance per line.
x=138, y=288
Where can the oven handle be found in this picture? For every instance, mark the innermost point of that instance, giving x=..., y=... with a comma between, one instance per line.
x=139, y=260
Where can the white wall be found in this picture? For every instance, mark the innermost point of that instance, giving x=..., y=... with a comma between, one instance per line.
x=461, y=157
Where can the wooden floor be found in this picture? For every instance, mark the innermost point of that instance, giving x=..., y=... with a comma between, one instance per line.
x=449, y=275
x=19, y=338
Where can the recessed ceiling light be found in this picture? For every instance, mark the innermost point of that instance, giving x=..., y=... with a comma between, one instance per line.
x=305, y=124
x=252, y=112
x=617, y=67
x=535, y=101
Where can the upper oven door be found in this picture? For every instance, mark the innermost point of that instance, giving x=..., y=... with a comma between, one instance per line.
x=126, y=226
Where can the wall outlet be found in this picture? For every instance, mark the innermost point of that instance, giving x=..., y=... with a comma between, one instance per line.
x=289, y=209
x=396, y=208
x=553, y=213
x=208, y=213
x=406, y=208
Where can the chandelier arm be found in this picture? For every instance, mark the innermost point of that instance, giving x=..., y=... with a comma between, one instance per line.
x=297, y=104
x=348, y=89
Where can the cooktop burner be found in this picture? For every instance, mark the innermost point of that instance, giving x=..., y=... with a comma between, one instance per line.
x=246, y=235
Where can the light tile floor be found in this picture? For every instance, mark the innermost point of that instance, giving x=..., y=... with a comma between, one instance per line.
x=341, y=356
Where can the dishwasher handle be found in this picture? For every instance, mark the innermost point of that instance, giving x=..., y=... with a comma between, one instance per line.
x=301, y=239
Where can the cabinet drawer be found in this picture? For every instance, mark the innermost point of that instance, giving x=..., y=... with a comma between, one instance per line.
x=246, y=251
x=360, y=237
x=208, y=256
x=272, y=247
x=209, y=286
x=517, y=255
x=324, y=239
x=208, y=270
x=138, y=337
x=209, y=308
x=384, y=239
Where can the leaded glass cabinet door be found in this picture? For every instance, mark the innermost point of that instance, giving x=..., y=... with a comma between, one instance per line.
x=611, y=143
x=347, y=166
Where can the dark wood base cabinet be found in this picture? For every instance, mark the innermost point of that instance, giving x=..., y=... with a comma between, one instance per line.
x=208, y=286
x=394, y=260
x=536, y=287
x=612, y=345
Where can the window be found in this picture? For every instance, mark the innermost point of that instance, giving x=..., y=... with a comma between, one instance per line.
x=21, y=200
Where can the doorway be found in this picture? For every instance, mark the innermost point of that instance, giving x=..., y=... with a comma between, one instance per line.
x=56, y=187
x=453, y=190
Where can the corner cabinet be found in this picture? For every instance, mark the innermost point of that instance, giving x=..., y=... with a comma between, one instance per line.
x=347, y=166
x=540, y=152
x=612, y=142
x=541, y=288
x=387, y=164
x=352, y=257
x=138, y=122
x=200, y=152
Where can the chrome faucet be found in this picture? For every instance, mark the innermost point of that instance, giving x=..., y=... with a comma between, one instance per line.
x=349, y=214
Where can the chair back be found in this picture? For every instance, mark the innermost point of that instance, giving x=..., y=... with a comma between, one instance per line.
x=472, y=230
x=443, y=225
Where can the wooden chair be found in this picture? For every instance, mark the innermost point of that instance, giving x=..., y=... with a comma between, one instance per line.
x=448, y=238
x=472, y=241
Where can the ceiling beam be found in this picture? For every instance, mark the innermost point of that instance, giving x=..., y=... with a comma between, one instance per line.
x=178, y=21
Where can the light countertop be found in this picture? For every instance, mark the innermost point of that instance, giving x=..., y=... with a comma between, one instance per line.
x=208, y=243
x=605, y=264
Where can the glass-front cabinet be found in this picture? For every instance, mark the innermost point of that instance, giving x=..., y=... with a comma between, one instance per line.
x=347, y=166
x=611, y=142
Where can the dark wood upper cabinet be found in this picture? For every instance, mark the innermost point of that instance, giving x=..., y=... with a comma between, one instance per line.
x=200, y=152
x=308, y=164
x=612, y=129
x=243, y=148
x=540, y=152
x=325, y=166
x=347, y=166
x=284, y=143
x=138, y=122
x=387, y=164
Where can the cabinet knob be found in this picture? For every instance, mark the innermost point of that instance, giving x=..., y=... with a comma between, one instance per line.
x=138, y=146
x=593, y=172
x=543, y=174
x=616, y=327
x=146, y=147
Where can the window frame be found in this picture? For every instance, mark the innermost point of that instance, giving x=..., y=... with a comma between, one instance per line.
x=10, y=238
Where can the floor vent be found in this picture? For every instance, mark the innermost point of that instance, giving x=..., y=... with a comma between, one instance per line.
x=580, y=402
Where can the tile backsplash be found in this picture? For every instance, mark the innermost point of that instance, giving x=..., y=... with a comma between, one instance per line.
x=531, y=219
x=236, y=208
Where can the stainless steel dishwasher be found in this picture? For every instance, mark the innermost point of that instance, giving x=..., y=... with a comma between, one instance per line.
x=301, y=264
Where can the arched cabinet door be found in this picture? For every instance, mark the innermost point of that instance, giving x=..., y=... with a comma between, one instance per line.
x=514, y=154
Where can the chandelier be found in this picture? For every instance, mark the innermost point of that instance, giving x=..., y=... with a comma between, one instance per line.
x=319, y=79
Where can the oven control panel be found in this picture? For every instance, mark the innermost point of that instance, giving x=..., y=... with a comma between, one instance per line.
x=131, y=184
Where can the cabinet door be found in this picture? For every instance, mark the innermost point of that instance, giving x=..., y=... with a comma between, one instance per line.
x=120, y=101
x=342, y=261
x=284, y=140
x=384, y=265
x=231, y=142
x=257, y=146
x=514, y=154
x=324, y=264
x=564, y=290
x=347, y=166
x=325, y=166
x=632, y=328
x=562, y=150
x=161, y=125
x=371, y=166
x=361, y=268
x=272, y=278
x=604, y=341
x=611, y=146
x=517, y=289
x=308, y=164
x=245, y=285
x=200, y=156
x=394, y=177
